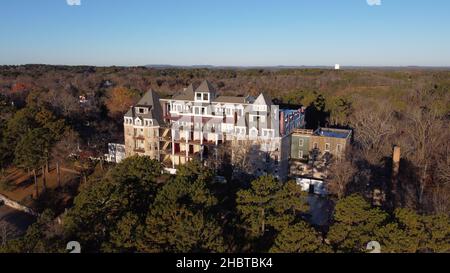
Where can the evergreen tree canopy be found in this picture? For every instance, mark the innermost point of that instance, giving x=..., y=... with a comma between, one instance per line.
x=269, y=203
x=299, y=238
x=122, y=196
x=180, y=219
x=354, y=224
x=32, y=149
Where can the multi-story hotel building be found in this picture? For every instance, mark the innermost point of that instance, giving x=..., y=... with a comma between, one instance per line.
x=197, y=123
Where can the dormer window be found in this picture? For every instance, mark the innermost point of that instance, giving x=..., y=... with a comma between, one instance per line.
x=141, y=110
x=137, y=122
x=128, y=121
x=148, y=122
x=201, y=96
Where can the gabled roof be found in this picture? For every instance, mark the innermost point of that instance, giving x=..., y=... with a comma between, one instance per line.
x=186, y=94
x=263, y=100
x=150, y=100
x=205, y=86
x=129, y=113
x=190, y=89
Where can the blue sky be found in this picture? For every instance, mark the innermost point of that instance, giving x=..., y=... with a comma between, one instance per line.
x=225, y=32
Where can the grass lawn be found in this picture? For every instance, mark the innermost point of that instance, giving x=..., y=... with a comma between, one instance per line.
x=22, y=189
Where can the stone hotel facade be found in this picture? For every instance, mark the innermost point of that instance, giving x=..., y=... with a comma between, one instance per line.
x=197, y=122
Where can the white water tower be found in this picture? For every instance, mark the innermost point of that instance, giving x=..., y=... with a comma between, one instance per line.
x=337, y=67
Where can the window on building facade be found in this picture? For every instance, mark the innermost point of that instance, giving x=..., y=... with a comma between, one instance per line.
x=301, y=142
x=339, y=148
x=199, y=96
x=327, y=147
x=260, y=108
x=315, y=145
x=300, y=154
x=139, y=144
x=267, y=133
x=254, y=132
x=206, y=96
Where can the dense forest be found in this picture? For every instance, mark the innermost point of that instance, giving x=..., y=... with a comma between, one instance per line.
x=49, y=112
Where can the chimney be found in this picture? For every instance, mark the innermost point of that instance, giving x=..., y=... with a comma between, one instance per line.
x=282, y=124
x=395, y=171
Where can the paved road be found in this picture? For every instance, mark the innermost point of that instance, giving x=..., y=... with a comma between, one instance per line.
x=18, y=219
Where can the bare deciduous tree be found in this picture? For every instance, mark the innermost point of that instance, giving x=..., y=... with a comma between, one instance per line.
x=425, y=136
x=248, y=155
x=63, y=150
x=373, y=126
x=341, y=173
x=7, y=232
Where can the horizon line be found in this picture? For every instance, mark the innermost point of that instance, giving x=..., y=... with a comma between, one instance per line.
x=236, y=66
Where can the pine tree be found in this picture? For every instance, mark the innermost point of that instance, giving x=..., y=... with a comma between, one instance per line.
x=31, y=151
x=355, y=222
x=103, y=209
x=269, y=203
x=421, y=233
x=180, y=220
x=299, y=238
x=40, y=237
